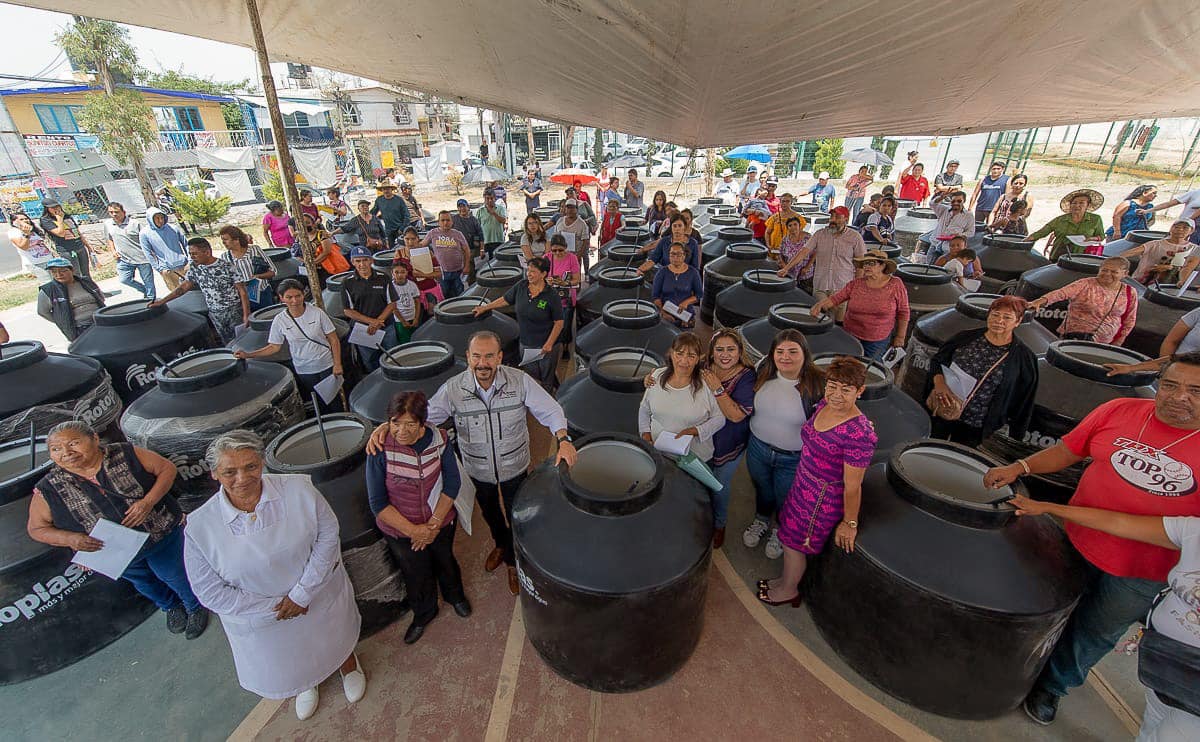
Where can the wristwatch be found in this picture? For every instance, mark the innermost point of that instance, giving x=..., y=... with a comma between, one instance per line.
x=718, y=391
x=565, y=438
x=852, y=523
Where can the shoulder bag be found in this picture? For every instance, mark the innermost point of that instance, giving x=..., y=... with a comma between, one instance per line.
x=953, y=409
x=1169, y=667
x=373, y=243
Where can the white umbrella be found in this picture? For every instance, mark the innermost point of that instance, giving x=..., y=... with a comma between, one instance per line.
x=484, y=174
x=867, y=157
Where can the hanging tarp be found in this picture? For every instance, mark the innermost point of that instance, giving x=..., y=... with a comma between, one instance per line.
x=318, y=166
x=235, y=184
x=427, y=169
x=126, y=192
x=226, y=158
x=286, y=107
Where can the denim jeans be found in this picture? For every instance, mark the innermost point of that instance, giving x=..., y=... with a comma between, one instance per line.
x=874, y=349
x=1108, y=608
x=772, y=473
x=125, y=273
x=452, y=283
x=158, y=573
x=720, y=500
x=855, y=205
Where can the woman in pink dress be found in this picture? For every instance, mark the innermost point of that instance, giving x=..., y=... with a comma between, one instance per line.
x=838, y=444
x=564, y=278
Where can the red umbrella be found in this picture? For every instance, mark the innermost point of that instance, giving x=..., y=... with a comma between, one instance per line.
x=568, y=176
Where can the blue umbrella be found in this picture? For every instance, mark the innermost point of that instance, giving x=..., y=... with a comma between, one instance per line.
x=756, y=152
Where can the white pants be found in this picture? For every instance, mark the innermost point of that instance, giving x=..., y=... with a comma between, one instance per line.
x=1161, y=723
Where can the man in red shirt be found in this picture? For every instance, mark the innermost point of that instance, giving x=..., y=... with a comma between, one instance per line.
x=913, y=183
x=772, y=200
x=1146, y=461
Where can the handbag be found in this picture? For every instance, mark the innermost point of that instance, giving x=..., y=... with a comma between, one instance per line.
x=373, y=243
x=1091, y=336
x=953, y=410
x=1169, y=667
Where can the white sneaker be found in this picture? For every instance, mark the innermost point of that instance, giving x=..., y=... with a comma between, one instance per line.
x=773, y=549
x=354, y=683
x=306, y=704
x=754, y=533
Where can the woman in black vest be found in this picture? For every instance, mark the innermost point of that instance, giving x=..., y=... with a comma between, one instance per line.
x=123, y=484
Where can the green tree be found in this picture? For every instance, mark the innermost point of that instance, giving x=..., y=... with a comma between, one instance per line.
x=737, y=166
x=195, y=205
x=829, y=158
x=598, y=148
x=180, y=80
x=272, y=187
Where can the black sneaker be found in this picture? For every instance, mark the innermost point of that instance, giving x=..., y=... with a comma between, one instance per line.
x=1041, y=706
x=196, y=623
x=177, y=619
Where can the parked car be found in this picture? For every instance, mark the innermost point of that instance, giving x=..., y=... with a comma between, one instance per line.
x=671, y=164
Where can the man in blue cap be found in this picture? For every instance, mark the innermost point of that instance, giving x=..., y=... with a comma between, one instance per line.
x=69, y=301
x=368, y=298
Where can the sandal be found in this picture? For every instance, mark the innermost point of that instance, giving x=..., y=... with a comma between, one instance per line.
x=764, y=595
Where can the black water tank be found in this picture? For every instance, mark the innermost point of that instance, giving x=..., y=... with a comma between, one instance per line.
x=378, y=584
x=628, y=211
x=898, y=418
x=702, y=210
x=508, y=254
x=1130, y=240
x=717, y=222
x=609, y=285
x=967, y=641
x=127, y=337
x=626, y=323
x=613, y=561
x=49, y=388
x=331, y=295
x=806, y=209
x=934, y=330
x=715, y=246
x=1038, y=282
x=1158, y=311
x=621, y=256
x=417, y=366
x=493, y=281
x=546, y=213
x=634, y=222
x=727, y=271
x=286, y=266
x=816, y=221
x=911, y=225
x=930, y=289
x=605, y=398
x=200, y=396
x=256, y=336
x=757, y=292
x=821, y=333
x=383, y=259
x=52, y=613
x=1072, y=382
x=1004, y=258
x=626, y=236
x=453, y=323
x=191, y=301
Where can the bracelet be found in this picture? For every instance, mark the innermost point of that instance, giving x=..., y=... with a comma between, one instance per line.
x=435, y=519
x=1025, y=466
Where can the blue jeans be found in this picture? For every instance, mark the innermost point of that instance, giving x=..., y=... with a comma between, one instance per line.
x=720, y=500
x=452, y=284
x=855, y=205
x=158, y=573
x=369, y=357
x=772, y=473
x=125, y=273
x=1109, y=606
x=874, y=349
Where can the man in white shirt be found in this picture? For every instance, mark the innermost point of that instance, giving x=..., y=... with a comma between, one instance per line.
x=576, y=231
x=953, y=221
x=749, y=186
x=727, y=189
x=123, y=233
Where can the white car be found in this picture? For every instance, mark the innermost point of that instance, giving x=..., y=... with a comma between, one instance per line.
x=670, y=164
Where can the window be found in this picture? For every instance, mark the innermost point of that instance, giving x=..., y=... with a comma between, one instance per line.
x=178, y=118
x=58, y=119
x=350, y=114
x=401, y=114
x=295, y=120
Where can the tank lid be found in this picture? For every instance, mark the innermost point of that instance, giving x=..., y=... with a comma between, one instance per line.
x=127, y=313
x=299, y=449
x=630, y=211
x=334, y=282
x=278, y=253
x=1167, y=295
x=922, y=212
x=630, y=314
x=1142, y=236
x=799, y=317
x=634, y=222
x=1008, y=242
x=1086, y=360
x=806, y=208
x=946, y=480
x=460, y=310
x=384, y=258
x=728, y=221
x=16, y=476
x=975, y=305
x=734, y=234
x=619, y=277
x=709, y=201
x=624, y=251
x=417, y=360
x=615, y=474
x=879, y=377
x=510, y=253
x=20, y=354
x=746, y=251
x=261, y=319
x=1089, y=264
x=723, y=210
x=201, y=370
x=499, y=276
x=769, y=281
x=917, y=273
x=632, y=236
x=623, y=369
x=905, y=203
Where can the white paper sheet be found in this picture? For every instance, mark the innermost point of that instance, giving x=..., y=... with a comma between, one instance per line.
x=421, y=259
x=121, y=545
x=673, y=309
x=971, y=284
x=530, y=355
x=359, y=336
x=894, y=356
x=328, y=387
x=1081, y=241
x=435, y=493
x=959, y=381
x=668, y=443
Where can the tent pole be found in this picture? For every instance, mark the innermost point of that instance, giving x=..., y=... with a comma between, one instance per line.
x=287, y=171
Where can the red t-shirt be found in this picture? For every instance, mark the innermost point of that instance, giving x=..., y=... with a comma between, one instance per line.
x=1132, y=477
x=913, y=188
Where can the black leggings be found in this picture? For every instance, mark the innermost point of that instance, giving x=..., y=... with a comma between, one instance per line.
x=427, y=570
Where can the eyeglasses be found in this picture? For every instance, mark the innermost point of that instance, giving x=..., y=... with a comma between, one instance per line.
x=405, y=424
x=866, y=263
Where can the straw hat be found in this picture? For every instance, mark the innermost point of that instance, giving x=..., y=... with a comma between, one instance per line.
x=889, y=265
x=383, y=184
x=1095, y=200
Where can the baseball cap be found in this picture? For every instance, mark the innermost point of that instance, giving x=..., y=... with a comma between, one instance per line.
x=48, y=202
x=360, y=252
x=59, y=263
x=1184, y=220
x=572, y=202
x=840, y=210
x=463, y=202
x=824, y=175
x=952, y=162
x=772, y=181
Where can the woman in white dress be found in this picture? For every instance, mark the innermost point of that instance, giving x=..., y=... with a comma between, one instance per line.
x=263, y=554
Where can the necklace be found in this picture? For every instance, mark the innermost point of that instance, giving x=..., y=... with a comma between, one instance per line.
x=1164, y=448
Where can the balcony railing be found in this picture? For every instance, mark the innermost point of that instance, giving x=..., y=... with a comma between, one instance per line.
x=302, y=136
x=180, y=140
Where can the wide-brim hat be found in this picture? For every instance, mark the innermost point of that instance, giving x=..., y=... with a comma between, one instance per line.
x=726, y=173
x=381, y=185
x=889, y=265
x=1095, y=200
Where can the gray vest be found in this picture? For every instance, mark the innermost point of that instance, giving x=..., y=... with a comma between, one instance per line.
x=493, y=438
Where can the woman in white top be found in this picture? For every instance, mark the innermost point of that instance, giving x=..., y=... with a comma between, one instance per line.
x=679, y=402
x=786, y=392
x=31, y=246
x=1174, y=616
x=311, y=339
x=264, y=555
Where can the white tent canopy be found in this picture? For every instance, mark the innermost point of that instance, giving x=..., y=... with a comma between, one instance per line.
x=287, y=106
x=714, y=72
